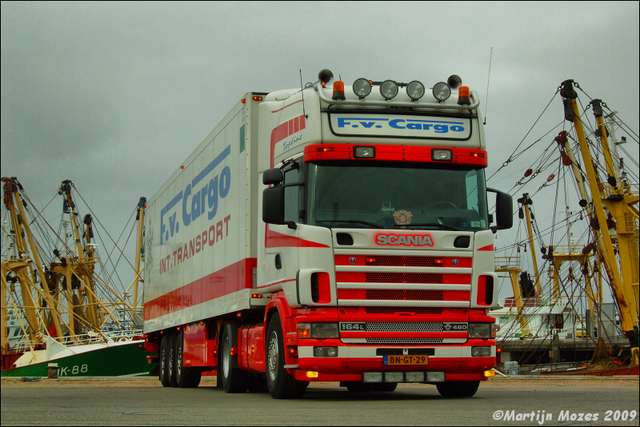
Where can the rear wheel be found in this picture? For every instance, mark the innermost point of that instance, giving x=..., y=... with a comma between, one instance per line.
x=234, y=379
x=171, y=360
x=458, y=388
x=280, y=383
x=163, y=357
x=185, y=377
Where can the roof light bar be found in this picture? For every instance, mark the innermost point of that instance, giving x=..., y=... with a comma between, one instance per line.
x=362, y=88
x=441, y=91
x=415, y=90
x=338, y=90
x=463, y=96
x=389, y=89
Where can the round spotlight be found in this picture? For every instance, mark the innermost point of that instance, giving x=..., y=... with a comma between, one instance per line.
x=362, y=88
x=454, y=81
x=389, y=89
x=441, y=91
x=415, y=90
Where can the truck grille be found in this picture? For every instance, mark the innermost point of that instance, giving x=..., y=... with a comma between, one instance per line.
x=404, y=327
x=405, y=340
x=402, y=310
x=402, y=294
x=403, y=278
x=404, y=261
x=370, y=279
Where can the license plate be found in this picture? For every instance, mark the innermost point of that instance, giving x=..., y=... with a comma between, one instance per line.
x=406, y=360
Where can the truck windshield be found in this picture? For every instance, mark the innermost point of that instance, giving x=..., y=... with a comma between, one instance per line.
x=392, y=195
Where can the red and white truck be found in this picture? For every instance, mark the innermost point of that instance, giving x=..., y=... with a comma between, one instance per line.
x=329, y=233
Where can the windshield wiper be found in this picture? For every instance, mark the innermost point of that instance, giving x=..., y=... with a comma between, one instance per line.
x=353, y=221
x=431, y=224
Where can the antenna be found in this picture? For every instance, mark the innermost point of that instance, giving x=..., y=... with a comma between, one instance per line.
x=302, y=93
x=486, y=110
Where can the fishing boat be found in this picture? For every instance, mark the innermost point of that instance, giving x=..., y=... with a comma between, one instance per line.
x=57, y=311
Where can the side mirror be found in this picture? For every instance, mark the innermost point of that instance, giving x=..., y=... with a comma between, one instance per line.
x=273, y=205
x=504, y=210
x=272, y=176
x=273, y=198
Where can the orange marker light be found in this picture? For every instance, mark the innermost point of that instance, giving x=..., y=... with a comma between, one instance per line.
x=463, y=96
x=338, y=90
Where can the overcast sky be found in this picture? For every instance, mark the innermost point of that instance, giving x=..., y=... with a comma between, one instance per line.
x=114, y=96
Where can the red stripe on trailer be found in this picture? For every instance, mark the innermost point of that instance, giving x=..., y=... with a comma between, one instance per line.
x=223, y=282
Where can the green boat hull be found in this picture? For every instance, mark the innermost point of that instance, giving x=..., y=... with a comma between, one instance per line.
x=115, y=361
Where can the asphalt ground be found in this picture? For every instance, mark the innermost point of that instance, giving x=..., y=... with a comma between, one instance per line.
x=520, y=400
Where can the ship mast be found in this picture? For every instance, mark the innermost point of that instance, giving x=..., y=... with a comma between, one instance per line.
x=623, y=270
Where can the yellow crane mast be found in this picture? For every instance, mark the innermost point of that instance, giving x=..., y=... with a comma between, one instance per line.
x=610, y=202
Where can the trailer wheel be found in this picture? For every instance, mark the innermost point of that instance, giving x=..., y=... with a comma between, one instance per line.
x=234, y=379
x=458, y=388
x=280, y=383
x=163, y=357
x=171, y=360
x=185, y=377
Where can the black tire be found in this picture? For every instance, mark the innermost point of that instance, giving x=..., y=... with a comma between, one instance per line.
x=458, y=388
x=163, y=358
x=280, y=383
x=185, y=377
x=234, y=379
x=171, y=360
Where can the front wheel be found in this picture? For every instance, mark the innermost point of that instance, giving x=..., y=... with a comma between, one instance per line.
x=458, y=388
x=280, y=383
x=234, y=379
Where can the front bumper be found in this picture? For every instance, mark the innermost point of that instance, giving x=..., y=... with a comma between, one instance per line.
x=456, y=362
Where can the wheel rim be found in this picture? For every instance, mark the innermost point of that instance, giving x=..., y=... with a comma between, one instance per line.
x=163, y=363
x=272, y=356
x=179, y=361
x=225, y=357
x=171, y=357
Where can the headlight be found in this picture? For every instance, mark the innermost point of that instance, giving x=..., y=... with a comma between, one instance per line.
x=362, y=88
x=480, y=330
x=415, y=90
x=441, y=91
x=480, y=351
x=389, y=89
x=441, y=155
x=364, y=152
x=318, y=330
